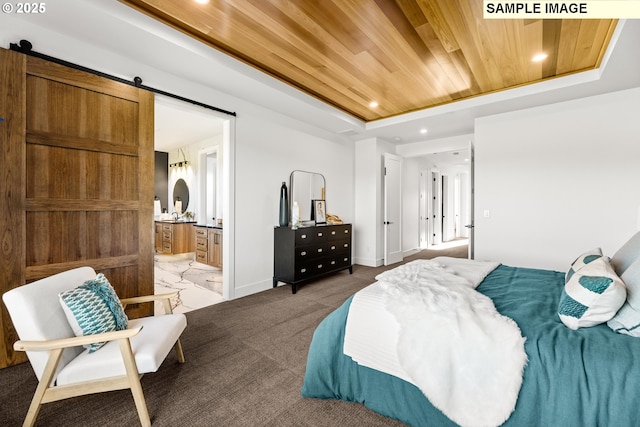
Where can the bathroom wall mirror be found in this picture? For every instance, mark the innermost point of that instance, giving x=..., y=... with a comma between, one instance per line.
x=181, y=194
x=303, y=188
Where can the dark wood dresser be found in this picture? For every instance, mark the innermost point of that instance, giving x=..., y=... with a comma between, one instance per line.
x=310, y=252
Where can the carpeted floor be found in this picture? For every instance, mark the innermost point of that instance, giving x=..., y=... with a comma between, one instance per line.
x=245, y=362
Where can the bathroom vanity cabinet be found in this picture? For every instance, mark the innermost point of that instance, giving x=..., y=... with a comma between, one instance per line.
x=209, y=245
x=174, y=237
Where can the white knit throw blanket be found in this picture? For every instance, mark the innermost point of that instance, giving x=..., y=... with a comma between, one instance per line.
x=457, y=349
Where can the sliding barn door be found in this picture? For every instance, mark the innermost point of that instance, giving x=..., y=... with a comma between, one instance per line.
x=77, y=179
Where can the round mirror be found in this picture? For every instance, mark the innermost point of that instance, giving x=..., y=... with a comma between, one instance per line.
x=180, y=196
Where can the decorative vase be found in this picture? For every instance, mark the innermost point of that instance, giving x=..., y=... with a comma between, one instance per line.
x=284, y=206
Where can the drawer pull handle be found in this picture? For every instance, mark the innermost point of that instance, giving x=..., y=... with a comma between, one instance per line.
x=346, y=245
x=333, y=248
x=346, y=231
x=333, y=262
x=346, y=259
x=304, y=236
x=320, y=234
x=333, y=233
x=303, y=253
x=303, y=270
x=319, y=265
x=319, y=250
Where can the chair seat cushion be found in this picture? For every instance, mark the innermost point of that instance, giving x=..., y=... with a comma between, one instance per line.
x=150, y=348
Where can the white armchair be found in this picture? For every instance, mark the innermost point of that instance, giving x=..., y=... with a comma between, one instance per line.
x=64, y=368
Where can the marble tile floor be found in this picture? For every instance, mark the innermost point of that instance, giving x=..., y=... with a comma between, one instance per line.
x=200, y=285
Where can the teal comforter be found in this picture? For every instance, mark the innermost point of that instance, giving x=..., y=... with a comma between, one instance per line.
x=588, y=377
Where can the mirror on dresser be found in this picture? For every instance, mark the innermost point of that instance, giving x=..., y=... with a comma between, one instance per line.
x=304, y=187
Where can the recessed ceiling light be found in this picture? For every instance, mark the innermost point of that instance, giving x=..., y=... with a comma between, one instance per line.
x=373, y=104
x=539, y=57
x=202, y=1
x=423, y=131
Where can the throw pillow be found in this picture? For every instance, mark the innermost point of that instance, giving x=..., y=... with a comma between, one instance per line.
x=627, y=320
x=592, y=295
x=93, y=308
x=583, y=260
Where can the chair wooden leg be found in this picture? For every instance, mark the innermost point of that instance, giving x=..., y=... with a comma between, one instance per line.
x=134, y=382
x=179, y=353
x=43, y=385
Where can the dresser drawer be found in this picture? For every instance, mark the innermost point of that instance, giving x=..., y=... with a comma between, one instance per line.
x=341, y=232
x=201, y=233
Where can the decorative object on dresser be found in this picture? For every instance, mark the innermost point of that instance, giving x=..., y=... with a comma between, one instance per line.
x=307, y=253
x=209, y=245
x=319, y=211
x=284, y=206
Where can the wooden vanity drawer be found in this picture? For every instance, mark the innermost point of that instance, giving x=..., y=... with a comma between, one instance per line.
x=201, y=232
x=201, y=256
x=201, y=244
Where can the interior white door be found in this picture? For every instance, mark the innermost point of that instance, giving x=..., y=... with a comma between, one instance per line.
x=392, y=209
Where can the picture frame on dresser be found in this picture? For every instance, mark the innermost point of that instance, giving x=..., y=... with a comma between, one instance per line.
x=319, y=211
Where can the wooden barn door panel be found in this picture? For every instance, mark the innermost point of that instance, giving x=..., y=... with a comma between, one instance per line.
x=87, y=181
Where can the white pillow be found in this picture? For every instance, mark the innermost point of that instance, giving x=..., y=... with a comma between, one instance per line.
x=626, y=255
x=627, y=320
x=583, y=260
x=592, y=295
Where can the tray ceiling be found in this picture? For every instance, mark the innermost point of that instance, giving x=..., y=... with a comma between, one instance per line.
x=406, y=55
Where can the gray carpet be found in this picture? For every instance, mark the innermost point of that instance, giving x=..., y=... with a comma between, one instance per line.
x=245, y=362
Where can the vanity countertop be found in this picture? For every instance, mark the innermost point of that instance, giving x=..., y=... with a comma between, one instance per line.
x=175, y=221
x=219, y=227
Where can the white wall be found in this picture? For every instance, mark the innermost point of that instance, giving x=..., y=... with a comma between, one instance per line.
x=558, y=180
x=266, y=154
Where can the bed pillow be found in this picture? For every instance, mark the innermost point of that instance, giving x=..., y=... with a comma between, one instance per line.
x=93, y=308
x=627, y=254
x=583, y=260
x=627, y=320
x=592, y=295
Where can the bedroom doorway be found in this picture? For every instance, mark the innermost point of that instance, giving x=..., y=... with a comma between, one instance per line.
x=205, y=139
x=444, y=199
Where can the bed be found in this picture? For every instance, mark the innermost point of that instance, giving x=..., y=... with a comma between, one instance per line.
x=576, y=375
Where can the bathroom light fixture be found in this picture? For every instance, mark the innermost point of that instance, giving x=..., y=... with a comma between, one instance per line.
x=184, y=162
x=423, y=131
x=373, y=104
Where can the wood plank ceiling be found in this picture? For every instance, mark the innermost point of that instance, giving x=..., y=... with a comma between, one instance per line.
x=406, y=55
